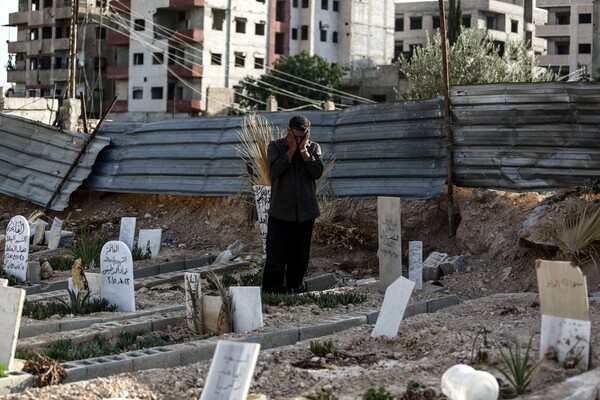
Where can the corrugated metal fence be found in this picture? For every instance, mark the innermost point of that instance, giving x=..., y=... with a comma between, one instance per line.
x=518, y=137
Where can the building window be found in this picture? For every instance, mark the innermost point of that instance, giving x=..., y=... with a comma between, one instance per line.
x=156, y=93
x=561, y=48
x=218, y=17
x=323, y=35
x=138, y=58
x=259, y=62
x=240, y=25
x=259, y=29
x=33, y=64
x=336, y=5
x=304, y=32
x=295, y=3
x=334, y=37
x=436, y=22
x=215, y=58
x=304, y=3
x=563, y=18
x=100, y=63
x=100, y=33
x=138, y=93
x=585, y=18
x=585, y=48
x=48, y=4
x=139, y=24
x=416, y=23
x=279, y=43
x=324, y=4
x=47, y=32
x=35, y=5
x=294, y=33
x=399, y=24
x=514, y=26
x=466, y=21
x=158, y=58
x=280, y=11
x=380, y=98
x=33, y=34
x=45, y=63
x=240, y=59
x=61, y=32
x=490, y=21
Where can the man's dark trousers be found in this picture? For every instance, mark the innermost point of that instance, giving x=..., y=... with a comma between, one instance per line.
x=288, y=244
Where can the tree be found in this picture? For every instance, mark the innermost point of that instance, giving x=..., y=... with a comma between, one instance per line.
x=454, y=21
x=473, y=59
x=290, y=82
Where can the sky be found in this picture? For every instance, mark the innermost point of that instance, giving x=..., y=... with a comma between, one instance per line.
x=6, y=33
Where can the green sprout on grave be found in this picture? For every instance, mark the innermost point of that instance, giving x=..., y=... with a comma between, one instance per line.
x=518, y=368
x=321, y=349
x=88, y=247
x=380, y=394
x=3, y=370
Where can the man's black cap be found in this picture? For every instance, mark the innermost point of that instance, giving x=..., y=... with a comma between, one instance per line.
x=300, y=122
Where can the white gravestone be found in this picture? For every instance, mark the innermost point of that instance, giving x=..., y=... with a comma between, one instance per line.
x=566, y=325
x=390, y=244
x=16, y=248
x=4, y=282
x=11, y=308
x=231, y=370
x=127, y=231
x=262, y=196
x=150, y=238
x=116, y=268
x=395, y=301
x=94, y=284
x=54, y=234
x=415, y=263
x=193, y=302
x=247, y=308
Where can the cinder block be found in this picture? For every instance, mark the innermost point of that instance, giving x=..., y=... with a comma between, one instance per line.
x=271, y=340
x=330, y=327
x=75, y=372
x=161, y=324
x=33, y=289
x=199, y=262
x=443, y=302
x=56, y=285
x=193, y=354
x=171, y=267
x=16, y=382
x=159, y=357
x=420, y=307
x=74, y=324
x=319, y=283
x=145, y=272
x=31, y=330
x=372, y=317
x=107, y=366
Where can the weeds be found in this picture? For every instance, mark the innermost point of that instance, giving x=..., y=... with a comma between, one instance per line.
x=324, y=300
x=59, y=263
x=12, y=281
x=379, y=394
x=138, y=254
x=321, y=349
x=3, y=370
x=518, y=369
x=40, y=311
x=88, y=247
x=49, y=371
x=226, y=314
x=326, y=395
x=256, y=134
x=481, y=356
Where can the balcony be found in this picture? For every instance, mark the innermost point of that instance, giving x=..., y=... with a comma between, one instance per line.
x=117, y=73
x=117, y=39
x=186, y=71
x=554, y=60
x=189, y=35
x=184, y=106
x=17, y=18
x=18, y=47
x=546, y=31
x=50, y=76
x=16, y=75
x=120, y=6
x=186, y=3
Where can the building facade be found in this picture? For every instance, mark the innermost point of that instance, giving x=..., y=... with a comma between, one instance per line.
x=569, y=32
x=40, y=58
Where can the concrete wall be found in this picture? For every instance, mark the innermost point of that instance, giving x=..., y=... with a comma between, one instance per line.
x=33, y=108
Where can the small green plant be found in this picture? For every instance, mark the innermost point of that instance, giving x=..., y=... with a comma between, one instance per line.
x=321, y=349
x=59, y=263
x=40, y=310
x=479, y=354
x=77, y=301
x=379, y=394
x=12, y=281
x=326, y=395
x=3, y=370
x=138, y=254
x=88, y=247
x=286, y=300
x=324, y=300
x=519, y=368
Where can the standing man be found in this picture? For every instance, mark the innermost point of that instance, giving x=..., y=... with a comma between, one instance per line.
x=295, y=163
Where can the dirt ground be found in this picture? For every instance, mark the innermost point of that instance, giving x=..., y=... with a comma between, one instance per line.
x=500, y=253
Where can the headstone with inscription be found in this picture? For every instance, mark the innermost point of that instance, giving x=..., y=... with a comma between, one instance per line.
x=231, y=370
x=54, y=235
x=127, y=231
x=116, y=268
x=566, y=325
x=415, y=263
x=262, y=196
x=395, y=301
x=11, y=308
x=16, y=248
x=193, y=302
x=150, y=239
x=247, y=308
x=390, y=244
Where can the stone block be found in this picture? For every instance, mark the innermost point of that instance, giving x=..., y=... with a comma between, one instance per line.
x=55, y=286
x=453, y=264
x=145, y=272
x=319, y=283
x=443, y=302
x=36, y=329
x=16, y=382
x=75, y=372
x=34, y=272
x=431, y=273
x=159, y=357
x=271, y=340
x=74, y=324
x=330, y=327
x=163, y=323
x=107, y=366
x=434, y=259
x=199, y=262
x=420, y=307
x=193, y=354
x=171, y=267
x=33, y=289
x=372, y=317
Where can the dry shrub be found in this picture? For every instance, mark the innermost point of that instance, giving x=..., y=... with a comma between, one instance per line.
x=255, y=136
x=578, y=238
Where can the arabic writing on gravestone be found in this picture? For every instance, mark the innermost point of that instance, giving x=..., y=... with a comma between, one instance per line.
x=115, y=265
x=16, y=250
x=389, y=239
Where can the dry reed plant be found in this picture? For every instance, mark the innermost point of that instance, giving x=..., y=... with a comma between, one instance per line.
x=579, y=238
x=226, y=314
x=255, y=136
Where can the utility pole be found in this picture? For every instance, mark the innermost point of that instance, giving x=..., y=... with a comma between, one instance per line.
x=71, y=87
